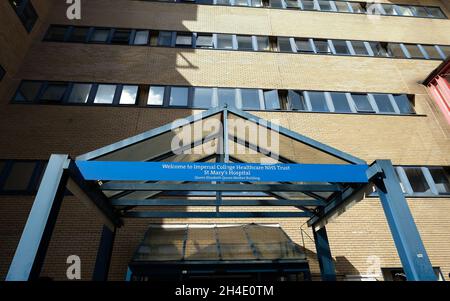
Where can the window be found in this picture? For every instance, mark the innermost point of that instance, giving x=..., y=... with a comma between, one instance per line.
x=54, y=92
x=105, y=94
x=156, y=96
x=204, y=41
x=165, y=38
x=202, y=98
x=446, y=50
x=325, y=5
x=341, y=47
x=318, y=101
x=357, y=7
x=417, y=179
x=183, y=40
x=263, y=43
x=291, y=3
x=398, y=274
x=296, y=101
x=245, y=43
x=26, y=13
x=379, y=49
x=241, y=2
x=256, y=3
x=284, y=45
x=56, y=33
x=436, y=12
x=395, y=50
x=250, y=99
x=276, y=3
x=79, y=34
x=2, y=73
x=414, y=51
x=403, y=10
x=100, y=35
x=308, y=4
x=304, y=46
x=129, y=95
x=179, y=96
x=362, y=103
x=121, y=36
x=403, y=104
x=322, y=46
x=80, y=93
x=141, y=37
x=225, y=41
x=342, y=7
x=441, y=178
x=432, y=52
x=223, y=2
x=359, y=47
x=19, y=177
x=227, y=97
x=383, y=103
x=28, y=91
x=389, y=9
x=419, y=11
x=340, y=102
x=271, y=100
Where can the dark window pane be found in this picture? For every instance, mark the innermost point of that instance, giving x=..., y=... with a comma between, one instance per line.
x=226, y=97
x=105, y=94
x=362, y=103
x=441, y=178
x=202, y=98
x=28, y=16
x=419, y=11
x=357, y=7
x=241, y=2
x=318, y=102
x=341, y=47
x=79, y=34
x=2, y=73
x=436, y=12
x=54, y=92
x=19, y=176
x=389, y=9
x=80, y=93
x=395, y=50
x=284, y=45
x=28, y=91
x=121, y=36
x=100, y=35
x=340, y=102
x=432, y=52
x=322, y=46
x=224, y=41
x=417, y=179
x=325, y=5
x=256, y=3
x=379, y=49
x=165, y=38
x=129, y=95
x=445, y=50
x=56, y=33
x=141, y=37
x=156, y=96
x=404, y=10
x=179, y=96
x=271, y=100
x=250, y=99
x=223, y=2
x=276, y=3
x=291, y=3
x=342, y=6
x=359, y=47
x=403, y=104
x=308, y=5
x=297, y=101
x=303, y=46
x=245, y=43
x=183, y=40
x=263, y=43
x=414, y=51
x=383, y=103
x=204, y=41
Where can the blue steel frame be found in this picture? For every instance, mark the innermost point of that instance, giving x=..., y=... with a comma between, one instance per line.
x=62, y=172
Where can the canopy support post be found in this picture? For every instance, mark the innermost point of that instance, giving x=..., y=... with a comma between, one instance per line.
x=104, y=254
x=327, y=268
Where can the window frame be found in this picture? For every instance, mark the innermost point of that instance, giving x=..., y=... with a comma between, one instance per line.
x=20, y=12
x=33, y=182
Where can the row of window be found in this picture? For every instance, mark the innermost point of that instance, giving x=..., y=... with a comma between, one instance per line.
x=26, y=13
x=331, y=6
x=20, y=176
x=206, y=97
x=2, y=73
x=100, y=35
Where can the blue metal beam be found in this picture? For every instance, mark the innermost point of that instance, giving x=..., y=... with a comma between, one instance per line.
x=171, y=214
x=104, y=254
x=327, y=268
x=219, y=187
x=30, y=253
x=410, y=248
x=225, y=203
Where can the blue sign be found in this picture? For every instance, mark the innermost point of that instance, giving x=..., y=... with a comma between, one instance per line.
x=221, y=172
